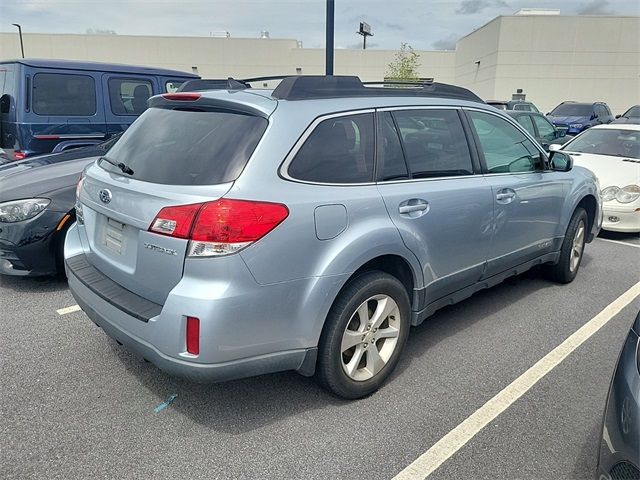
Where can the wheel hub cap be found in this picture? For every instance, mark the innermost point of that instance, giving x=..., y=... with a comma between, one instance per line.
x=370, y=338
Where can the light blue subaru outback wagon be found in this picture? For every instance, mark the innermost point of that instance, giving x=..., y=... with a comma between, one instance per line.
x=241, y=232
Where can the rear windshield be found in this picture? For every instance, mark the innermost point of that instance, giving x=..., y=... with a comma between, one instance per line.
x=180, y=147
x=572, y=110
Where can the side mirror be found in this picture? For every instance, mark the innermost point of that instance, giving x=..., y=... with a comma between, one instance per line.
x=547, y=114
x=554, y=147
x=593, y=116
x=561, y=133
x=560, y=161
x=618, y=116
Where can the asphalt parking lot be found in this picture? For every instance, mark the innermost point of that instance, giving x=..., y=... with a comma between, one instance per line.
x=75, y=404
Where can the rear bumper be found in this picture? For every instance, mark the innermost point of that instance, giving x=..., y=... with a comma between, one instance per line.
x=622, y=219
x=100, y=311
x=246, y=329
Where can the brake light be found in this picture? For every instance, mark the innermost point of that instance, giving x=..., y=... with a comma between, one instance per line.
x=18, y=155
x=221, y=227
x=193, y=335
x=182, y=96
x=175, y=221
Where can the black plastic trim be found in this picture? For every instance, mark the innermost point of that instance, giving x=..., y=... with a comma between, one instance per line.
x=118, y=296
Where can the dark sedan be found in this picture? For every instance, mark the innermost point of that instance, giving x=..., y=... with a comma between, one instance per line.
x=540, y=128
x=620, y=444
x=630, y=116
x=37, y=198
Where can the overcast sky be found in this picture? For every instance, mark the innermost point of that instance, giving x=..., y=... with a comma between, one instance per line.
x=424, y=24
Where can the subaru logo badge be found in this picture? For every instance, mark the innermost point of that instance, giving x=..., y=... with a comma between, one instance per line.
x=105, y=195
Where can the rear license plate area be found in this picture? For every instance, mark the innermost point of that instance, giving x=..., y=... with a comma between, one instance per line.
x=114, y=236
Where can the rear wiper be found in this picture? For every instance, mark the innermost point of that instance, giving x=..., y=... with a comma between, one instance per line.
x=120, y=165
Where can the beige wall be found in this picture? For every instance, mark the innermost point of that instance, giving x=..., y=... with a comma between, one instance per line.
x=553, y=58
x=218, y=57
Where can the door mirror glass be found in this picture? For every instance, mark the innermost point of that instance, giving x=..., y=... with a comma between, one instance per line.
x=560, y=161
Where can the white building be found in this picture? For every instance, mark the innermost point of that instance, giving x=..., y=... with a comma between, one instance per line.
x=551, y=57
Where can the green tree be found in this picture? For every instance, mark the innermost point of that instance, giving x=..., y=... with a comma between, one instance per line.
x=404, y=65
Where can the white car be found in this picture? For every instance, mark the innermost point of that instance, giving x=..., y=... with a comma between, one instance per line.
x=612, y=153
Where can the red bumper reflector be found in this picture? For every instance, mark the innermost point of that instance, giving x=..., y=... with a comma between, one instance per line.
x=193, y=335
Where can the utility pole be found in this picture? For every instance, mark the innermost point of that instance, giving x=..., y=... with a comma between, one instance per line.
x=329, y=37
x=20, y=33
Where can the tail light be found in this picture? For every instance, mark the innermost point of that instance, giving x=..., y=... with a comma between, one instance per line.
x=18, y=155
x=221, y=227
x=193, y=335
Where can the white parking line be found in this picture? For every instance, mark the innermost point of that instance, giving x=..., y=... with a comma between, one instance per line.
x=619, y=242
x=453, y=441
x=71, y=309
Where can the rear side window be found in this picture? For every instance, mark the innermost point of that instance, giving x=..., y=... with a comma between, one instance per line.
x=434, y=143
x=179, y=147
x=57, y=94
x=391, y=164
x=129, y=96
x=339, y=150
x=506, y=149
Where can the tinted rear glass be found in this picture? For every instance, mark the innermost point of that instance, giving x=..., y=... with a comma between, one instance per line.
x=64, y=95
x=572, y=110
x=180, y=147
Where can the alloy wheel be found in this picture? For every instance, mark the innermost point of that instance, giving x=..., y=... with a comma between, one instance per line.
x=370, y=338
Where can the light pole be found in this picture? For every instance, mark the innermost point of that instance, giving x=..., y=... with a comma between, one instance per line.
x=329, y=39
x=20, y=33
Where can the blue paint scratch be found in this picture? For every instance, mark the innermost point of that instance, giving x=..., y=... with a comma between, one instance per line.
x=170, y=399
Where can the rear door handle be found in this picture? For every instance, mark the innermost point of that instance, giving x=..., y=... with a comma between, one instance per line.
x=415, y=206
x=412, y=208
x=506, y=195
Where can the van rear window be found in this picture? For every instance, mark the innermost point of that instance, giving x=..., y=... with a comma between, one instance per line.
x=57, y=94
x=180, y=147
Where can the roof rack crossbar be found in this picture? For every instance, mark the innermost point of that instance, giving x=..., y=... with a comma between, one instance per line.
x=307, y=87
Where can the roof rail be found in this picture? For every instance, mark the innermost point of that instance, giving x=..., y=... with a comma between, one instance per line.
x=212, y=84
x=307, y=87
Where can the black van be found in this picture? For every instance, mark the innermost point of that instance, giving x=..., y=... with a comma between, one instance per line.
x=53, y=105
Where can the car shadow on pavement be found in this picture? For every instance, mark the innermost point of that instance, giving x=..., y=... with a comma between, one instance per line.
x=33, y=284
x=244, y=405
x=633, y=238
x=454, y=319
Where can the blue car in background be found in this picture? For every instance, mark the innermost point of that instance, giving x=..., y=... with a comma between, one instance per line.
x=54, y=105
x=575, y=117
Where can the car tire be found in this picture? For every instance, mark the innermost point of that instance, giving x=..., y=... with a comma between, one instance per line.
x=363, y=336
x=572, y=249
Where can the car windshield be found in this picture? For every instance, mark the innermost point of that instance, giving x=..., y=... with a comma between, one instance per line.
x=572, y=110
x=607, y=141
x=632, y=112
